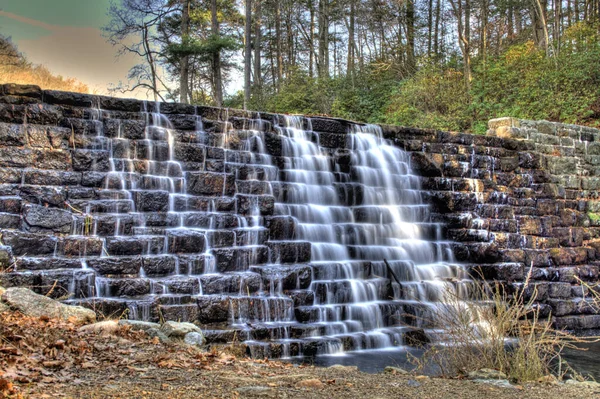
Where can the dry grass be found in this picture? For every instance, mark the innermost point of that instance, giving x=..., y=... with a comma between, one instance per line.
x=14, y=68
x=500, y=331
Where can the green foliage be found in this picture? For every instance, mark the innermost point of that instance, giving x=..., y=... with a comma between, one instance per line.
x=432, y=98
x=521, y=82
x=203, y=49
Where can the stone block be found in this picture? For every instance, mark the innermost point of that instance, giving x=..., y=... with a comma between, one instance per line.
x=116, y=266
x=281, y=227
x=255, y=204
x=189, y=152
x=159, y=265
x=30, y=244
x=136, y=245
x=91, y=160
x=125, y=128
x=185, y=241
x=239, y=259
x=289, y=251
x=78, y=246
x=150, y=201
x=211, y=184
x=505, y=121
x=39, y=219
x=51, y=177
x=44, y=195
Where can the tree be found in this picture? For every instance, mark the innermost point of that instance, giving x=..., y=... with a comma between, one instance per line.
x=247, y=53
x=133, y=28
x=184, y=91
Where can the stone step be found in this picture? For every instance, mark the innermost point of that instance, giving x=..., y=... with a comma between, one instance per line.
x=251, y=236
x=244, y=309
x=135, y=245
x=279, y=278
x=351, y=291
x=10, y=204
x=239, y=259
x=392, y=313
x=243, y=284
x=289, y=251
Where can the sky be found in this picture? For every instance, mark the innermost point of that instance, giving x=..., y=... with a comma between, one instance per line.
x=66, y=37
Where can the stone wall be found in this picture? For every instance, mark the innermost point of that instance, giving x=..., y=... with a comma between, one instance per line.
x=520, y=200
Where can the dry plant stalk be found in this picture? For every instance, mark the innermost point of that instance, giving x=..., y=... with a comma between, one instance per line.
x=501, y=331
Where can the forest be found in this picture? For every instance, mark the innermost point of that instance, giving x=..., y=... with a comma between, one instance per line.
x=446, y=64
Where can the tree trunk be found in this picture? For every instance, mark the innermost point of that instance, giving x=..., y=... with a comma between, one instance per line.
x=463, y=18
x=247, y=53
x=350, y=65
x=429, y=26
x=278, y=43
x=484, y=26
x=323, y=61
x=311, y=42
x=436, y=35
x=410, y=35
x=184, y=67
x=538, y=10
x=257, y=44
x=216, y=57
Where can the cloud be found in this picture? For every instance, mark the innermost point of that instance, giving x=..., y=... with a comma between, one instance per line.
x=77, y=52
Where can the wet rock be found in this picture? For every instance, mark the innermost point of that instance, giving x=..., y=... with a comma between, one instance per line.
x=161, y=265
x=186, y=241
x=13, y=157
x=91, y=160
x=22, y=243
x=40, y=218
x=116, y=266
x=12, y=134
x=210, y=183
x=179, y=330
x=32, y=304
x=429, y=165
x=290, y=252
x=249, y=204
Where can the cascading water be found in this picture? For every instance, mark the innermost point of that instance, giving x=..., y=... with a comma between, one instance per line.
x=368, y=226
x=261, y=233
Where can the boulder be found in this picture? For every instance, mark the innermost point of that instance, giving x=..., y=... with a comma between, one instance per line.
x=486, y=374
x=194, y=338
x=32, y=304
x=394, y=370
x=155, y=332
x=3, y=307
x=102, y=327
x=138, y=325
x=173, y=329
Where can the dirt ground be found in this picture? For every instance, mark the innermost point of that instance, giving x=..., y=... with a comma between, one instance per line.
x=43, y=358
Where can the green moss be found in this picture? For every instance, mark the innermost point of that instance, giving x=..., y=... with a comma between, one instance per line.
x=594, y=218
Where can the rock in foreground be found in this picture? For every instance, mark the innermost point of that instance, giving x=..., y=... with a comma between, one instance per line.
x=31, y=304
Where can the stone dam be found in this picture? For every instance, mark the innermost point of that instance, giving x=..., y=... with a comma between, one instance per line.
x=295, y=235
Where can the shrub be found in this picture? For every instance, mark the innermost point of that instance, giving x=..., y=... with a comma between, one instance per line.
x=498, y=331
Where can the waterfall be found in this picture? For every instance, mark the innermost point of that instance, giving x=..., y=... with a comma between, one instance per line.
x=261, y=232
